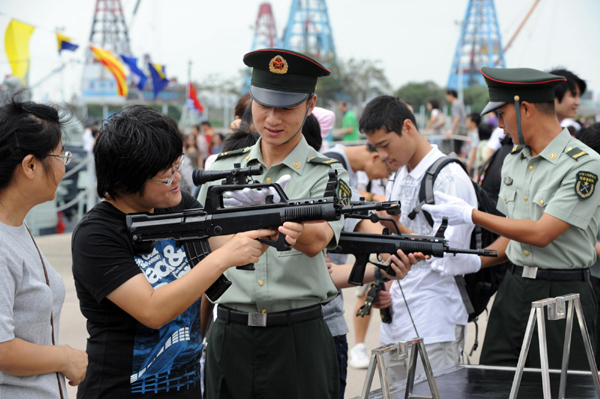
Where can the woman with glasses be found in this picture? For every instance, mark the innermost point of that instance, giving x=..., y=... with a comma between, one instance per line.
x=142, y=308
x=32, y=163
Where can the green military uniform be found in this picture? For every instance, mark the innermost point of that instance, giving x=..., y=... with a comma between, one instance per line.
x=296, y=359
x=282, y=280
x=561, y=182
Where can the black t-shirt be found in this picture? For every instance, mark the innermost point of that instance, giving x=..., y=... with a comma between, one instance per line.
x=126, y=358
x=492, y=176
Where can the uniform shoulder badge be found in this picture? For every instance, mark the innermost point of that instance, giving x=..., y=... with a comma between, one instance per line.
x=344, y=192
x=231, y=153
x=576, y=153
x=585, y=184
x=322, y=160
x=517, y=149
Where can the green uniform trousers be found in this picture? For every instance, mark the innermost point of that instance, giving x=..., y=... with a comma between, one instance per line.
x=510, y=314
x=296, y=361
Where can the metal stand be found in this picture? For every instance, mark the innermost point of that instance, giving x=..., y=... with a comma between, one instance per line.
x=556, y=311
x=399, y=351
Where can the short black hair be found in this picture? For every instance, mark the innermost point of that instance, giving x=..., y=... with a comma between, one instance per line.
x=385, y=112
x=452, y=92
x=133, y=146
x=435, y=104
x=237, y=140
x=312, y=132
x=207, y=123
x=573, y=81
x=546, y=107
x=485, y=131
x=27, y=128
x=590, y=136
x=475, y=118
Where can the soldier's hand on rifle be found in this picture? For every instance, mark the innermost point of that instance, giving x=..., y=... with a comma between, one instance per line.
x=292, y=232
x=248, y=196
x=455, y=209
x=243, y=248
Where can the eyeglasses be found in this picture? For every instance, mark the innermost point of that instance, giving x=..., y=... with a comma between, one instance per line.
x=66, y=157
x=172, y=177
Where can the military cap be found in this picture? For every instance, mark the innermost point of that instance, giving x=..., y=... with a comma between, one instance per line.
x=518, y=84
x=282, y=78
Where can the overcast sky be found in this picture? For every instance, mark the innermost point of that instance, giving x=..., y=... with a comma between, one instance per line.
x=413, y=40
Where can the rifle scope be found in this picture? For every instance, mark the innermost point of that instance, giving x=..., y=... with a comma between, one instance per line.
x=233, y=176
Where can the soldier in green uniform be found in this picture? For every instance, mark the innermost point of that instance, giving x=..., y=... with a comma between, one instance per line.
x=269, y=339
x=548, y=195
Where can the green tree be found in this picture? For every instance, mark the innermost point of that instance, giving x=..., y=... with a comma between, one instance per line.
x=418, y=93
x=476, y=96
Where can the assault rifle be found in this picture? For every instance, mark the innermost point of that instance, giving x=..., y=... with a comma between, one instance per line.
x=192, y=227
x=362, y=245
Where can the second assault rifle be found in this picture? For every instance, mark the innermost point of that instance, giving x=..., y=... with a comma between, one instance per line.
x=192, y=227
x=362, y=245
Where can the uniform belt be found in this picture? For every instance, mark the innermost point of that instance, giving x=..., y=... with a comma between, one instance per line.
x=269, y=319
x=535, y=273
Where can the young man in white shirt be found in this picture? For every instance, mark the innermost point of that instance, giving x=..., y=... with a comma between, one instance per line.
x=433, y=298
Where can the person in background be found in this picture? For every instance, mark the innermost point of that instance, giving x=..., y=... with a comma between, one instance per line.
x=458, y=127
x=473, y=121
x=217, y=143
x=208, y=132
x=32, y=163
x=326, y=120
x=192, y=152
x=201, y=144
x=436, y=121
x=238, y=112
x=567, y=98
x=481, y=156
x=349, y=130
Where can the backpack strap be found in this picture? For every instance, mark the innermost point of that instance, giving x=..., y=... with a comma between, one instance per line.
x=426, y=191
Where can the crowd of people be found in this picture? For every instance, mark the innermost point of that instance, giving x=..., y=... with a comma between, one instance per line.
x=279, y=330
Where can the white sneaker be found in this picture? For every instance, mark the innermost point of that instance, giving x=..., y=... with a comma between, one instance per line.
x=358, y=357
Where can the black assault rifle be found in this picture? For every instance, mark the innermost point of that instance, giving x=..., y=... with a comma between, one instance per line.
x=362, y=245
x=192, y=227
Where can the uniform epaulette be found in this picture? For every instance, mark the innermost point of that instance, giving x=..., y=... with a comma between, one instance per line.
x=231, y=153
x=576, y=153
x=517, y=149
x=322, y=160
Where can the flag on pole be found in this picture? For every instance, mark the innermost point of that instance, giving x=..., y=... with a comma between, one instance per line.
x=16, y=44
x=64, y=43
x=114, y=66
x=132, y=64
x=192, y=99
x=159, y=77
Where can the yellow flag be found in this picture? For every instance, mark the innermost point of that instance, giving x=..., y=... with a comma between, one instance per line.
x=16, y=43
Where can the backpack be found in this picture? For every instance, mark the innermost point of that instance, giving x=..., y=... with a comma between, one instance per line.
x=476, y=289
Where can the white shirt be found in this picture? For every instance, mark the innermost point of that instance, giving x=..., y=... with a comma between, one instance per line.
x=495, y=141
x=434, y=301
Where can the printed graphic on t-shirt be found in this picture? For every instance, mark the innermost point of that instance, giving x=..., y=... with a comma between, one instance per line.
x=167, y=359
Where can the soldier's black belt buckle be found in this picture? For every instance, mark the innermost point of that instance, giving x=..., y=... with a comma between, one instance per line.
x=530, y=272
x=257, y=319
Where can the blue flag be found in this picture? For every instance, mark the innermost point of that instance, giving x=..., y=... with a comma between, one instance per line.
x=64, y=43
x=159, y=77
x=132, y=64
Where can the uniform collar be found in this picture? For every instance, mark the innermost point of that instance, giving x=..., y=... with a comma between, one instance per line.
x=554, y=149
x=296, y=160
